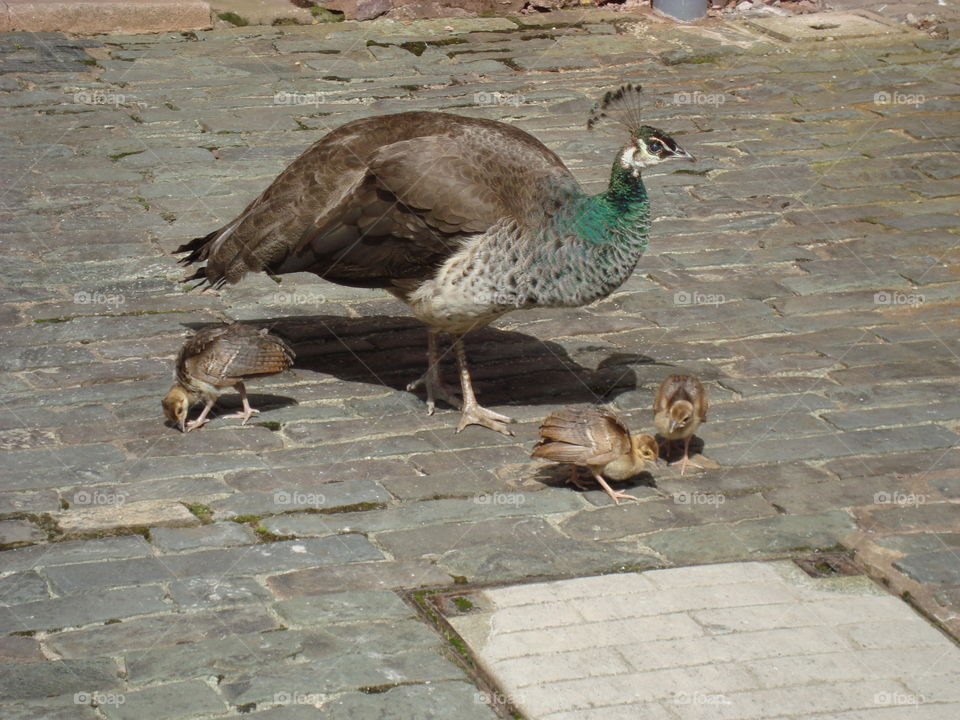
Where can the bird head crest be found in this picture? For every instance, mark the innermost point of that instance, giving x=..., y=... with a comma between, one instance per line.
x=621, y=105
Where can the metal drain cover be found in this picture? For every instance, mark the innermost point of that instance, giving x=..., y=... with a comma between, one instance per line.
x=824, y=26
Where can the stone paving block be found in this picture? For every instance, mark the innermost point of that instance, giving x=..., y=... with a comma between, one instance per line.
x=20, y=532
x=223, y=534
x=271, y=557
x=160, y=631
x=230, y=653
x=345, y=607
x=70, y=579
x=83, y=609
x=22, y=587
x=267, y=479
x=428, y=512
x=217, y=591
x=167, y=702
x=359, y=576
x=43, y=679
x=684, y=509
x=412, y=702
x=18, y=649
x=331, y=497
x=63, y=553
x=92, y=519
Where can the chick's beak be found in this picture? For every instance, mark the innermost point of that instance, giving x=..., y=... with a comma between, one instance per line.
x=182, y=424
x=683, y=154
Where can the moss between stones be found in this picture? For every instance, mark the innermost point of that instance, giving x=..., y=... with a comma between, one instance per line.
x=233, y=19
x=203, y=512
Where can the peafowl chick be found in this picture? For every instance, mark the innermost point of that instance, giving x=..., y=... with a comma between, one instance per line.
x=598, y=439
x=219, y=357
x=678, y=409
x=462, y=218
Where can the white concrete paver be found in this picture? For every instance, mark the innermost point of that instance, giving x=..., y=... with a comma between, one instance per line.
x=737, y=641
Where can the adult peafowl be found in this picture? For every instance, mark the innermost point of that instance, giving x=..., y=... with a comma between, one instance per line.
x=464, y=219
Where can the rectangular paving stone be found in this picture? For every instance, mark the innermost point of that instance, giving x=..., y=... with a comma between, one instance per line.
x=160, y=631
x=331, y=496
x=359, y=576
x=22, y=587
x=41, y=679
x=74, y=551
x=168, y=702
x=18, y=649
x=266, y=479
x=345, y=607
x=271, y=557
x=217, y=591
x=82, y=609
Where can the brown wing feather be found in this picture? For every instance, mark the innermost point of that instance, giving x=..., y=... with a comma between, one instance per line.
x=225, y=355
x=384, y=198
x=586, y=436
x=675, y=388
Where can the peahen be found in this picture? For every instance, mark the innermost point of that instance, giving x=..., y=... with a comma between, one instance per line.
x=464, y=219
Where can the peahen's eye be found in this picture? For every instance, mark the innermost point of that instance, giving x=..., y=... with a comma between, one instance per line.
x=655, y=146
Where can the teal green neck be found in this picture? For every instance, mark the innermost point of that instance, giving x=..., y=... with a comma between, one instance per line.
x=625, y=189
x=622, y=205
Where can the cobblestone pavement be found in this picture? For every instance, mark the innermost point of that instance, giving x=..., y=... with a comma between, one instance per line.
x=805, y=269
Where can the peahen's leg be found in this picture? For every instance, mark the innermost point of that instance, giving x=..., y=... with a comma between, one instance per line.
x=436, y=388
x=247, y=411
x=473, y=413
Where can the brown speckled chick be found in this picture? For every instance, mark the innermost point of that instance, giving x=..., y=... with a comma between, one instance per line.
x=217, y=358
x=598, y=439
x=678, y=409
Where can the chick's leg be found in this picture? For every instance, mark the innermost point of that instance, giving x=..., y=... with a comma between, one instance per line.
x=574, y=478
x=473, y=413
x=247, y=410
x=615, y=495
x=685, y=460
x=436, y=388
x=202, y=418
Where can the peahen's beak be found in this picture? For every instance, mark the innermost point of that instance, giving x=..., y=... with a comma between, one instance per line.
x=683, y=154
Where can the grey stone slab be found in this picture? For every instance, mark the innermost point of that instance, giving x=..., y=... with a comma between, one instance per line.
x=344, y=672
x=428, y=512
x=168, y=702
x=20, y=532
x=69, y=579
x=83, y=609
x=330, y=497
x=858, y=442
x=161, y=631
x=345, y=607
x=76, y=551
x=936, y=568
x=203, y=658
x=685, y=508
x=22, y=587
x=273, y=557
x=17, y=648
x=39, y=679
x=412, y=702
x=751, y=538
x=217, y=591
x=451, y=484
x=359, y=576
x=280, y=478
x=224, y=534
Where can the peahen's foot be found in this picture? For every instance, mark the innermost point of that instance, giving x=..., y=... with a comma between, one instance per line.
x=474, y=414
x=436, y=390
x=244, y=414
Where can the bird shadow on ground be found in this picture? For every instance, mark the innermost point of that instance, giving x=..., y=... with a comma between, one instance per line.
x=507, y=367
x=558, y=475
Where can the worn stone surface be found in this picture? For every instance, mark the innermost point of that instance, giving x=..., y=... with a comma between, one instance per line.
x=804, y=269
